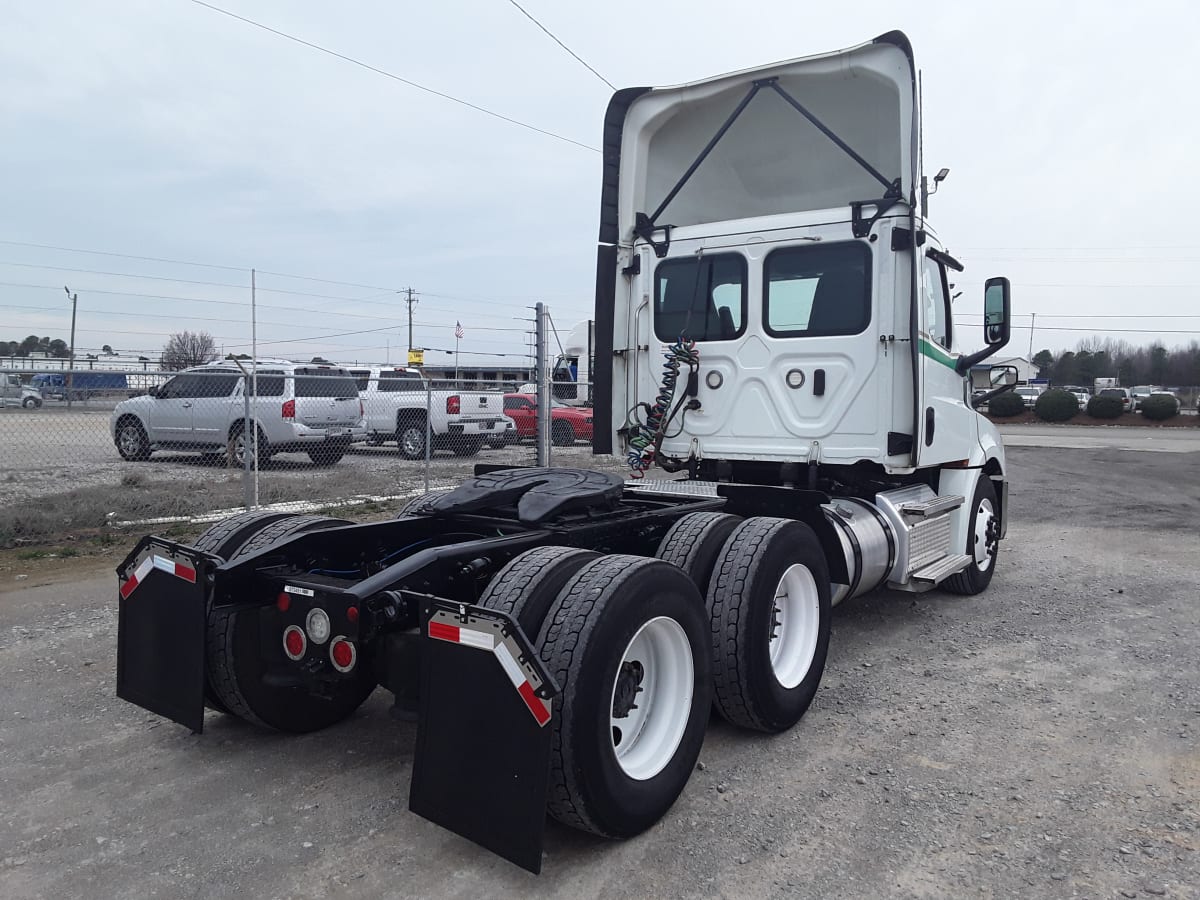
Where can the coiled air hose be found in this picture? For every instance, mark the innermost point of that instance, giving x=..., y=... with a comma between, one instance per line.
x=645, y=438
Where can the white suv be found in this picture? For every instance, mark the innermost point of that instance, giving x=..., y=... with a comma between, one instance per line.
x=300, y=407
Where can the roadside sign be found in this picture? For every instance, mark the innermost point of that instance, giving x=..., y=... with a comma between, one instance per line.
x=416, y=357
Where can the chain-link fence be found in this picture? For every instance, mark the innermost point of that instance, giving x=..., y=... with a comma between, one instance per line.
x=84, y=450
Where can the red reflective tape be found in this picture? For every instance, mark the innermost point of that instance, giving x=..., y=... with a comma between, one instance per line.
x=127, y=587
x=443, y=632
x=186, y=572
x=534, y=702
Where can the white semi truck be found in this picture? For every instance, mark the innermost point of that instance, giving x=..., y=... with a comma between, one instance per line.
x=772, y=327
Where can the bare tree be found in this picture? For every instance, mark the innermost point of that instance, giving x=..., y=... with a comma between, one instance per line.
x=185, y=349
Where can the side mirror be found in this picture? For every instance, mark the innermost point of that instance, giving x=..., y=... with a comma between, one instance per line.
x=997, y=312
x=992, y=382
x=152, y=392
x=997, y=323
x=993, y=377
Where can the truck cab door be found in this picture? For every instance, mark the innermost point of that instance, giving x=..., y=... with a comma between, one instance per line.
x=947, y=428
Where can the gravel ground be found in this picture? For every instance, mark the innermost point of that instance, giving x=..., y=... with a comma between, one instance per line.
x=1038, y=740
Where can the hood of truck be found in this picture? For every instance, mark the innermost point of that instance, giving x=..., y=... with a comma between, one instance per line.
x=772, y=160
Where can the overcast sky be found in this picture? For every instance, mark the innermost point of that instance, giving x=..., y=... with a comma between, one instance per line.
x=159, y=128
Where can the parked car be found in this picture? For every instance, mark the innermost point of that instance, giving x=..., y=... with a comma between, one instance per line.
x=307, y=408
x=1126, y=396
x=1029, y=395
x=13, y=393
x=568, y=424
x=1141, y=391
x=397, y=402
x=1083, y=397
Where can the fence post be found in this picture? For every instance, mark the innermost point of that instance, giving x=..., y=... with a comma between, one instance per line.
x=248, y=491
x=428, y=430
x=543, y=387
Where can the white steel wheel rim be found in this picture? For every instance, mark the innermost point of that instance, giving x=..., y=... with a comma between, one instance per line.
x=795, y=619
x=646, y=738
x=984, y=516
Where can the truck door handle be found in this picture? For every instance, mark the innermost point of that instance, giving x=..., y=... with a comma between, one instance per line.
x=187, y=406
x=819, y=383
x=928, y=426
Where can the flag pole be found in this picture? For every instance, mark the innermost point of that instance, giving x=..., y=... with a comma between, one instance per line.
x=456, y=340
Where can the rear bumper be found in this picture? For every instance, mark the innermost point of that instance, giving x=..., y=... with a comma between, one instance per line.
x=482, y=427
x=307, y=436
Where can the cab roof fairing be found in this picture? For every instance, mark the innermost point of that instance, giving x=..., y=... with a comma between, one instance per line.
x=772, y=160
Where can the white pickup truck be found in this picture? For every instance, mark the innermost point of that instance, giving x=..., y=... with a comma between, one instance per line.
x=397, y=402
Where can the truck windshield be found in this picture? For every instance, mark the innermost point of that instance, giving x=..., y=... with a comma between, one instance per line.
x=702, y=298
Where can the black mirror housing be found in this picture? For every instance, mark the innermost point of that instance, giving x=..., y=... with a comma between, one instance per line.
x=997, y=312
x=997, y=322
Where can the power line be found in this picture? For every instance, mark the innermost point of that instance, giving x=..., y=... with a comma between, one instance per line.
x=554, y=38
x=394, y=77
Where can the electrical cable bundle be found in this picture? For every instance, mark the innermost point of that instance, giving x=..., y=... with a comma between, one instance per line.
x=645, y=438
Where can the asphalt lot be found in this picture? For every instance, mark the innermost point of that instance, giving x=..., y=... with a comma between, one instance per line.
x=1038, y=740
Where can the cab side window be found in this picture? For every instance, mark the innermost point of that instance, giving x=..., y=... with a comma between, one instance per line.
x=935, y=303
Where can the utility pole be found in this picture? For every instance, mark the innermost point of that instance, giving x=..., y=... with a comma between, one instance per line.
x=1031, y=327
x=71, y=351
x=411, y=300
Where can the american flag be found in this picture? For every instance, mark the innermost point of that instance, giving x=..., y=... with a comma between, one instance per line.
x=458, y=331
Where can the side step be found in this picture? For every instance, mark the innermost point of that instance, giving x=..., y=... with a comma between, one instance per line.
x=929, y=508
x=937, y=572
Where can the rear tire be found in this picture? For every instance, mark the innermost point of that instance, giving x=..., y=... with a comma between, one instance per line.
x=239, y=445
x=416, y=504
x=983, y=542
x=769, y=603
x=220, y=540
x=411, y=438
x=236, y=666
x=527, y=587
x=694, y=544
x=624, y=623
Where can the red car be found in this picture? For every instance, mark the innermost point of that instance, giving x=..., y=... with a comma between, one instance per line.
x=568, y=424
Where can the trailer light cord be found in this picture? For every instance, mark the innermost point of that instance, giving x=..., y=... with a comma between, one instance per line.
x=645, y=438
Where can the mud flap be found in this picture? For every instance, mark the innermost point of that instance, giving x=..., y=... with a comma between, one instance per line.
x=163, y=588
x=483, y=740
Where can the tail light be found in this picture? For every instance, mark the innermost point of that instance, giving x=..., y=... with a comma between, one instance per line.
x=289, y=409
x=342, y=654
x=453, y=404
x=294, y=642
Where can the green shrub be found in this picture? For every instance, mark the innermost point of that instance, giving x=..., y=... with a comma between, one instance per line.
x=1007, y=404
x=1159, y=408
x=1105, y=407
x=1056, y=406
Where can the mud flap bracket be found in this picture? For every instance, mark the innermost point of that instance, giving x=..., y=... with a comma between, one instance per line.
x=161, y=620
x=483, y=737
